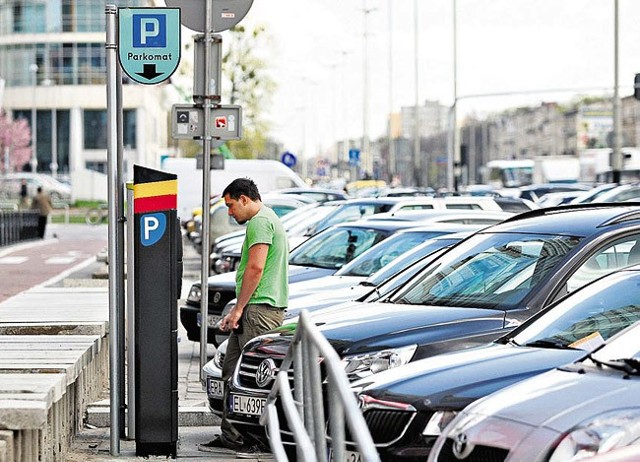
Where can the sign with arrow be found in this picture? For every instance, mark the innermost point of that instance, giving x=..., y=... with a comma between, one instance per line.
x=149, y=43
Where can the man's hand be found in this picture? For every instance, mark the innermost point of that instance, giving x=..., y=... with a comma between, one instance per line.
x=230, y=321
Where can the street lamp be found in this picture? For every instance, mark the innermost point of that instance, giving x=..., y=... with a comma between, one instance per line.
x=33, y=68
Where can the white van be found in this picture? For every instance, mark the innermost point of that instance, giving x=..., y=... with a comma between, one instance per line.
x=269, y=175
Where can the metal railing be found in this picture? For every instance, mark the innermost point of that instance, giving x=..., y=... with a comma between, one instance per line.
x=305, y=412
x=17, y=226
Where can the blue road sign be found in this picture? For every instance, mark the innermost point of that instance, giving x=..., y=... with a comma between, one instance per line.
x=288, y=159
x=149, y=43
x=354, y=156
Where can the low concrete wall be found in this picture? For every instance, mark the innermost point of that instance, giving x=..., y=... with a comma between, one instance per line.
x=54, y=362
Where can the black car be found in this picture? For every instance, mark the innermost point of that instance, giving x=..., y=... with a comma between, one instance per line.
x=475, y=292
x=321, y=255
x=407, y=408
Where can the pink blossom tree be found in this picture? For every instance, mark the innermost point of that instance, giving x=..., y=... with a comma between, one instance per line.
x=15, y=135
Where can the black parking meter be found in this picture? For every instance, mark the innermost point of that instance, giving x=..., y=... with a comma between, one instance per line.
x=158, y=259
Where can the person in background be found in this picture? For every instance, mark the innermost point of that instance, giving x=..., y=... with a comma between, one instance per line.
x=42, y=203
x=262, y=295
x=24, y=193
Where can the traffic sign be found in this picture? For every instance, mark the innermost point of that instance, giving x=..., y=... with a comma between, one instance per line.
x=288, y=159
x=354, y=156
x=149, y=43
x=187, y=122
x=226, y=13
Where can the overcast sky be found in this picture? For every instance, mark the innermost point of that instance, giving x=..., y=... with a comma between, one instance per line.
x=316, y=54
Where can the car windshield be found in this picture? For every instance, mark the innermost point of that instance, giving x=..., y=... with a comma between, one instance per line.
x=489, y=270
x=588, y=317
x=409, y=258
x=349, y=212
x=335, y=247
x=384, y=253
x=622, y=352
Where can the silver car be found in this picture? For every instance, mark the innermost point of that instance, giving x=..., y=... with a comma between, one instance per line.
x=571, y=413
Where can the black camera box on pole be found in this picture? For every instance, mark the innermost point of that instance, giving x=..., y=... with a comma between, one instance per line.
x=157, y=268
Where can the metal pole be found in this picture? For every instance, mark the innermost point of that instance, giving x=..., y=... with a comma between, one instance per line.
x=392, y=151
x=131, y=357
x=112, y=159
x=365, y=155
x=118, y=259
x=616, y=166
x=33, y=68
x=206, y=188
x=417, y=160
x=454, y=156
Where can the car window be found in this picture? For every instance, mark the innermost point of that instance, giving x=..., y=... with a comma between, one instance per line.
x=416, y=207
x=619, y=254
x=335, y=248
x=489, y=271
x=597, y=312
x=464, y=206
x=384, y=253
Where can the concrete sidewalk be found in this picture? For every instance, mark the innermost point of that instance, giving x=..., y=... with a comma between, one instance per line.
x=75, y=299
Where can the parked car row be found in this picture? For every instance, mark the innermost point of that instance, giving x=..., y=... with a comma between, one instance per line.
x=479, y=312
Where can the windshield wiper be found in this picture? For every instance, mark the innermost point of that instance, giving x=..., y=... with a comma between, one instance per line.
x=629, y=365
x=550, y=343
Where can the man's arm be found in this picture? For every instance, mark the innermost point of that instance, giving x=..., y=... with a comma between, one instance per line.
x=250, y=280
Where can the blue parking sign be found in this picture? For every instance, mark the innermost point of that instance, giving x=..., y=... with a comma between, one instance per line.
x=149, y=43
x=149, y=30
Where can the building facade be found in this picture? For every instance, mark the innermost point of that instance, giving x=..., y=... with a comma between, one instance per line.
x=53, y=62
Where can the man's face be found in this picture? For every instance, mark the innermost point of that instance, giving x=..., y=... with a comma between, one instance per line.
x=238, y=209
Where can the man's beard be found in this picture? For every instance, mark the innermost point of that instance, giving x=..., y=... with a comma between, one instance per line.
x=241, y=222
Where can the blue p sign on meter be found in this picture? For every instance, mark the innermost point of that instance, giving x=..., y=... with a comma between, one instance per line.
x=149, y=43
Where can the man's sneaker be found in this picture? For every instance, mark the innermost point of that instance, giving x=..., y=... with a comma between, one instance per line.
x=219, y=446
x=254, y=452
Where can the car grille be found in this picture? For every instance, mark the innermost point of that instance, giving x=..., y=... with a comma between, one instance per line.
x=387, y=426
x=248, y=367
x=479, y=454
x=218, y=300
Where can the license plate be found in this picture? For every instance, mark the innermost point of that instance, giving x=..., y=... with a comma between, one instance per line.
x=349, y=456
x=247, y=405
x=215, y=388
x=212, y=319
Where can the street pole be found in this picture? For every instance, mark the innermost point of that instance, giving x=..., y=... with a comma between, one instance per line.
x=616, y=161
x=392, y=151
x=33, y=68
x=417, y=160
x=454, y=154
x=365, y=155
x=211, y=89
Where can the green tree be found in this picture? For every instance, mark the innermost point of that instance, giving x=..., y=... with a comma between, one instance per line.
x=251, y=87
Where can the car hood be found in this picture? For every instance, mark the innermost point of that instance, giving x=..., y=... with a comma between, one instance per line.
x=319, y=286
x=360, y=327
x=327, y=299
x=453, y=380
x=561, y=398
x=296, y=274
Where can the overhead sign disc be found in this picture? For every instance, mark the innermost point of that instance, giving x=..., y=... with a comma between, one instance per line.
x=149, y=43
x=226, y=13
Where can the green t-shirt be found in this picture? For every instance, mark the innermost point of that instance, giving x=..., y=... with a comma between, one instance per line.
x=273, y=288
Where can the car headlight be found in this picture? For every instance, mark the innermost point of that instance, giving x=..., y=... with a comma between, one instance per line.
x=218, y=358
x=600, y=434
x=363, y=365
x=195, y=294
x=222, y=266
x=438, y=421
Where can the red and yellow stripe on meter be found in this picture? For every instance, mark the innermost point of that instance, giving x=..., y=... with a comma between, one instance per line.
x=155, y=196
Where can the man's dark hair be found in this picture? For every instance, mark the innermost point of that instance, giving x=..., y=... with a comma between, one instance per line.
x=242, y=187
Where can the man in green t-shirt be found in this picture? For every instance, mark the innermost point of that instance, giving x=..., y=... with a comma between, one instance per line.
x=262, y=289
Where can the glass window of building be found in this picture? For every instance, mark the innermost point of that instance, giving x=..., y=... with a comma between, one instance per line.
x=95, y=129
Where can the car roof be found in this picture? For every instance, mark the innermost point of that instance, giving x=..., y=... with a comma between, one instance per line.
x=573, y=219
x=373, y=224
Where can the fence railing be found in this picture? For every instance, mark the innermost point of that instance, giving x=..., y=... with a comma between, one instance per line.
x=305, y=411
x=17, y=226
